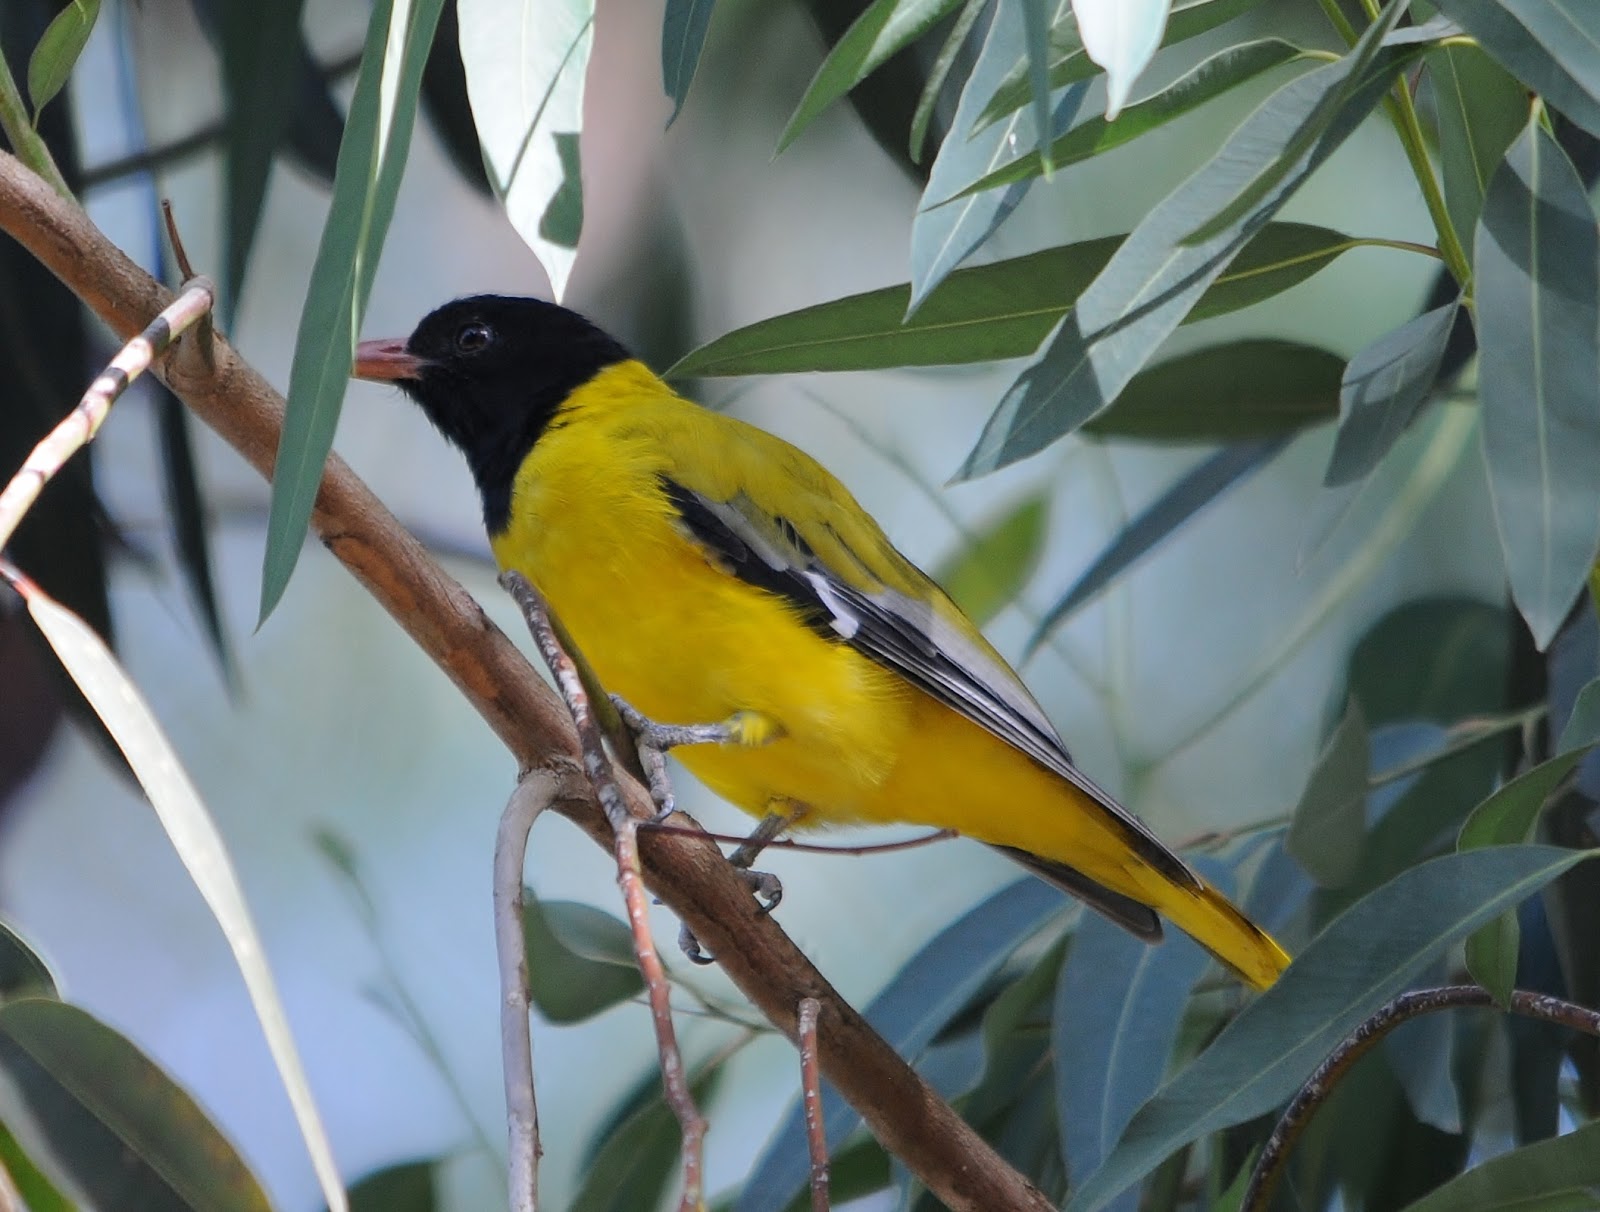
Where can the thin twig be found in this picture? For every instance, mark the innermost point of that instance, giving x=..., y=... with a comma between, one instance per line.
x=535, y=792
x=1297, y=1115
x=789, y=843
x=811, y=1096
x=630, y=876
x=84, y=421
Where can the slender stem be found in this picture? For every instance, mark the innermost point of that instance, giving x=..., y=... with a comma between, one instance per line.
x=789, y=843
x=1403, y=111
x=1297, y=1115
x=1339, y=21
x=625, y=829
x=25, y=139
x=77, y=430
x=535, y=792
x=1468, y=734
x=811, y=1098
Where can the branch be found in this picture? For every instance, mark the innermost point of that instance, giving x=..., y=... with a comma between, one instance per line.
x=689, y=875
x=1297, y=1115
x=811, y=1099
x=625, y=827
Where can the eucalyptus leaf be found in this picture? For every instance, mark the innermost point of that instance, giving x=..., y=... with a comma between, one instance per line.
x=57, y=51
x=683, y=36
x=1383, y=390
x=372, y=158
x=407, y=1187
x=1558, y=1175
x=990, y=569
x=1221, y=73
x=1480, y=110
x=1330, y=822
x=920, y=999
x=884, y=28
x=38, y=1193
x=631, y=1167
x=1583, y=725
x=102, y=1114
x=1121, y=36
x=938, y=73
x=1552, y=46
x=526, y=63
x=22, y=972
x=1538, y=322
x=572, y=983
x=1363, y=959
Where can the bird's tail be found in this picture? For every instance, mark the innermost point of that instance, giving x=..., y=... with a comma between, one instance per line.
x=1191, y=904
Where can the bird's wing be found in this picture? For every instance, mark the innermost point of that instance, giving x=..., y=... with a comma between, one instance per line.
x=823, y=554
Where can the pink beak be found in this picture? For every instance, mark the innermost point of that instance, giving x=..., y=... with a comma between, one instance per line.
x=386, y=361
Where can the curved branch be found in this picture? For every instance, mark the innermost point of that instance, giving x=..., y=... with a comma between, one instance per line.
x=688, y=874
x=1297, y=1115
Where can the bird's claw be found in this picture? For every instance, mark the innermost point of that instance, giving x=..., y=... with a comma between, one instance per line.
x=768, y=892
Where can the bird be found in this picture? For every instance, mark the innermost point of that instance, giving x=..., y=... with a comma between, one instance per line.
x=710, y=572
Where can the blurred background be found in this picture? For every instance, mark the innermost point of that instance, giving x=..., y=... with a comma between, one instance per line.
x=1199, y=688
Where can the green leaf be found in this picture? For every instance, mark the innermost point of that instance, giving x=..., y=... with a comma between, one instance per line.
x=1480, y=109
x=127, y=1136
x=257, y=42
x=1552, y=46
x=1507, y=818
x=1160, y=272
x=1118, y=1006
x=632, y=1166
x=1583, y=725
x=22, y=972
x=1225, y=70
x=942, y=237
x=1190, y=494
x=1330, y=822
x=1383, y=391
x=372, y=157
x=569, y=984
x=885, y=28
x=991, y=568
x=938, y=73
x=1362, y=960
x=526, y=63
x=38, y=1193
x=57, y=51
x=1227, y=393
x=1069, y=63
x=407, y=1187
x=1558, y=1175
x=988, y=312
x=1122, y=37
x=199, y=845
x=683, y=36
x=1538, y=321
x=933, y=987
x=1035, y=42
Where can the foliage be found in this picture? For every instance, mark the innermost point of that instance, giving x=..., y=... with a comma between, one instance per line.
x=1114, y=1075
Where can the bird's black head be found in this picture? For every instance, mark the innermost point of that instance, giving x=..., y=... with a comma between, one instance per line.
x=491, y=371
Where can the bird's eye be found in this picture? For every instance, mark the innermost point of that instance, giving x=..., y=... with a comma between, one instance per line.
x=474, y=338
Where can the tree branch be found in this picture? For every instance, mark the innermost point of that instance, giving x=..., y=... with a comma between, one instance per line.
x=689, y=874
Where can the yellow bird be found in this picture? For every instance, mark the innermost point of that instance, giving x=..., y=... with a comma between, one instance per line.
x=711, y=572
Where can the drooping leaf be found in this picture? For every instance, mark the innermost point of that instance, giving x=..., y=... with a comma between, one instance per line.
x=629, y=1168
x=446, y=105
x=1362, y=960
x=938, y=73
x=1552, y=46
x=990, y=569
x=683, y=36
x=1383, y=390
x=1036, y=50
x=257, y=40
x=371, y=160
x=578, y=966
x=1122, y=37
x=1206, y=483
x=943, y=237
x=1421, y=1054
x=1331, y=820
x=1480, y=109
x=885, y=28
x=1070, y=63
x=22, y=972
x=1227, y=393
x=1583, y=725
x=1558, y=1175
x=57, y=51
x=526, y=62
x=111, y=1120
x=987, y=312
x=919, y=1000
x=1158, y=273
x=1221, y=73
x=407, y=1187
x=1538, y=321
x=195, y=838
x=1118, y=1006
